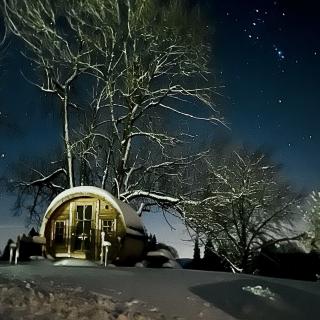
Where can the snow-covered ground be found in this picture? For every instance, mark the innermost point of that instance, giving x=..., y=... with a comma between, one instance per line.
x=31, y=301
x=183, y=294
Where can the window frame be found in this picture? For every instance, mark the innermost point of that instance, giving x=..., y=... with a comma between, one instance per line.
x=113, y=226
x=63, y=228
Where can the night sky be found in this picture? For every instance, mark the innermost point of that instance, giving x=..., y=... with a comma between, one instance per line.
x=266, y=54
x=268, y=57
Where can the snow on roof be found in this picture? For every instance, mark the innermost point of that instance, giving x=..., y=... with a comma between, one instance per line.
x=133, y=222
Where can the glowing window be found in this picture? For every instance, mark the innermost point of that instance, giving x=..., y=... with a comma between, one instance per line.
x=59, y=232
x=108, y=226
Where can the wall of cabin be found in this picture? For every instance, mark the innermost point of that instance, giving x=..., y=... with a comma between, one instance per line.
x=62, y=229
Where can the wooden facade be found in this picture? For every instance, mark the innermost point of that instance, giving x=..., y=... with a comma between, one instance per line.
x=74, y=221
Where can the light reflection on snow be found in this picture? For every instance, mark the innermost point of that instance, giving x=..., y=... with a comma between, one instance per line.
x=261, y=292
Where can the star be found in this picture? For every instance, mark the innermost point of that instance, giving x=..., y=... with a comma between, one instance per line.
x=280, y=53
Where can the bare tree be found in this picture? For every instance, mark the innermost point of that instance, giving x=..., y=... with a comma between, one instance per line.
x=55, y=53
x=151, y=68
x=311, y=214
x=142, y=69
x=245, y=203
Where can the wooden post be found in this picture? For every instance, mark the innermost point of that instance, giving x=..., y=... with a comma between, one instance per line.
x=101, y=253
x=17, y=251
x=104, y=249
x=10, y=258
x=13, y=247
x=17, y=255
x=106, y=256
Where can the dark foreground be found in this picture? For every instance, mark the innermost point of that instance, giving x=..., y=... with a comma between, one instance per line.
x=134, y=293
x=22, y=300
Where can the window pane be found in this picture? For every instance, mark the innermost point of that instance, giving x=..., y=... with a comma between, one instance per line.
x=79, y=228
x=88, y=212
x=80, y=212
x=108, y=226
x=59, y=234
x=86, y=227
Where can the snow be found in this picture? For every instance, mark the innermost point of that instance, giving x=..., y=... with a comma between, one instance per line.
x=292, y=246
x=261, y=292
x=178, y=293
x=35, y=300
x=69, y=262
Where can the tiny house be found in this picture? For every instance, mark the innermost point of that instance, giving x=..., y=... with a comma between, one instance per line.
x=75, y=219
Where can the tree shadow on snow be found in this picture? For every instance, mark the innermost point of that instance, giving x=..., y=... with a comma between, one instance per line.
x=240, y=299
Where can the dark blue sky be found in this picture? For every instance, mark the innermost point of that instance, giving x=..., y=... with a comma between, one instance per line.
x=268, y=57
x=266, y=54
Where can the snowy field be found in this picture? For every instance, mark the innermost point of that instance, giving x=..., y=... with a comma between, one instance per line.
x=180, y=294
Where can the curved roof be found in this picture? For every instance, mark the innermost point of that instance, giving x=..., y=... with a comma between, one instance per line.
x=131, y=219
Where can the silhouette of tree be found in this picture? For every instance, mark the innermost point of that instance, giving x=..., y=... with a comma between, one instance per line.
x=196, y=254
x=245, y=203
x=152, y=242
x=208, y=256
x=311, y=215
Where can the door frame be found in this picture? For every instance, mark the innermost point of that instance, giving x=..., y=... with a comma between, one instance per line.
x=73, y=210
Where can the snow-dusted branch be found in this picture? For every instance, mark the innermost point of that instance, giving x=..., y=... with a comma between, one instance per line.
x=118, y=77
x=46, y=180
x=247, y=203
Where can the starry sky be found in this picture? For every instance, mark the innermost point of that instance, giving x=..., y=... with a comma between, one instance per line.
x=268, y=58
x=266, y=55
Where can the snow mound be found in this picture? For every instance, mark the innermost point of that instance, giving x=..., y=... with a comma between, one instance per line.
x=70, y=262
x=261, y=292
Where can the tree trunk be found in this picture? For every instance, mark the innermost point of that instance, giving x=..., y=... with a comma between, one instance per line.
x=245, y=262
x=67, y=141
